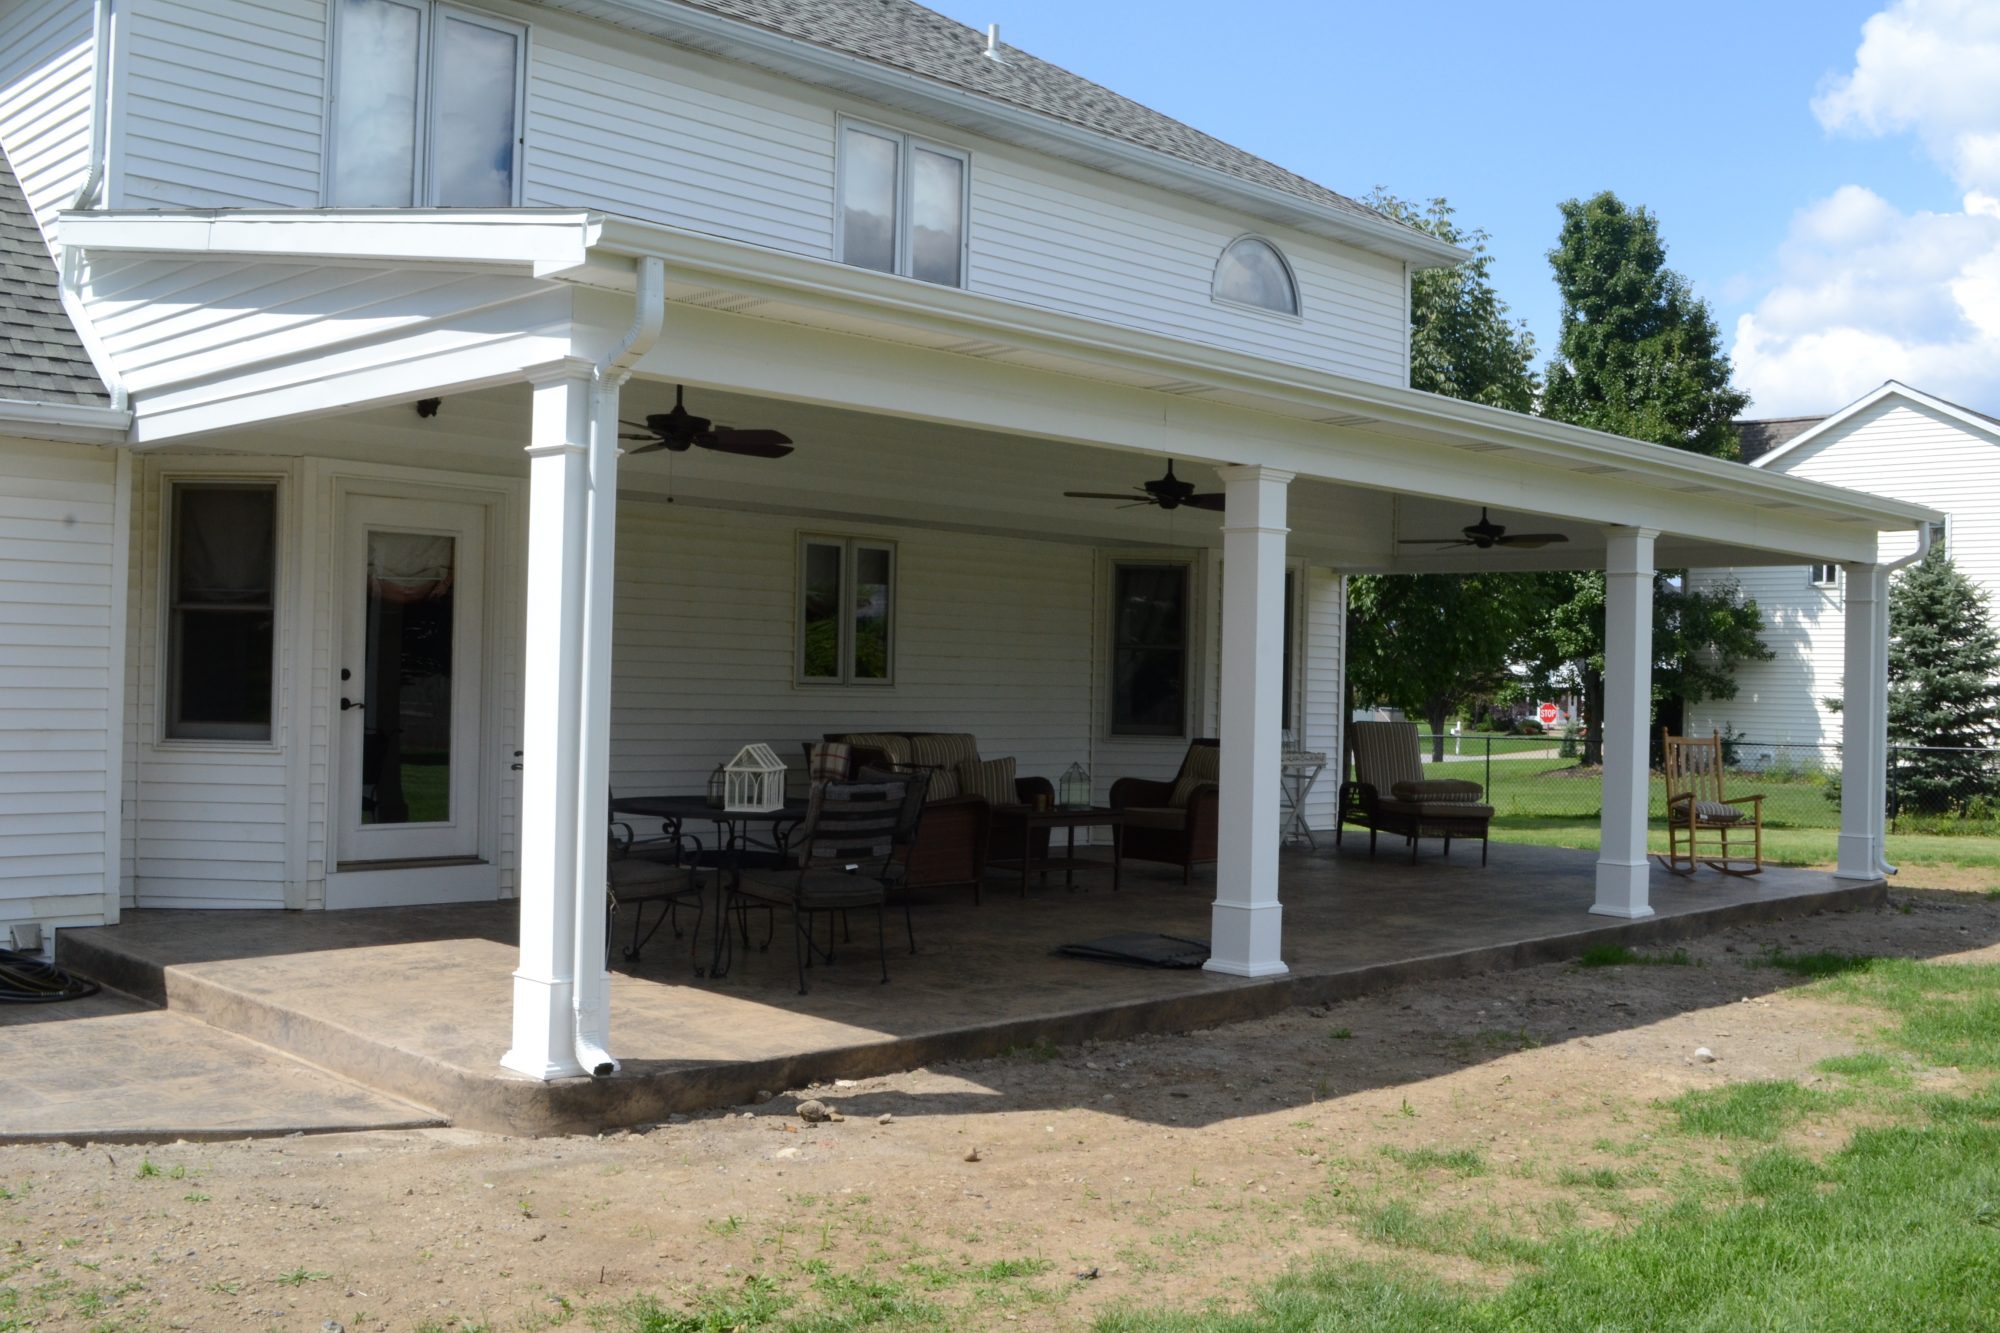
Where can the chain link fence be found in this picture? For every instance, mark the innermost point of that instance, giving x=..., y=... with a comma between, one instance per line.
x=1931, y=789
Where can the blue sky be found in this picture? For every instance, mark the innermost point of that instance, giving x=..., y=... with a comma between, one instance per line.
x=1860, y=232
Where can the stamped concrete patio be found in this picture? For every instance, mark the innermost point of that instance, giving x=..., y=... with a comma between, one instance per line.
x=415, y=1001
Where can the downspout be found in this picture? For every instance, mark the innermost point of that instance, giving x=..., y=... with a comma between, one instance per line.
x=1925, y=535
x=100, y=113
x=590, y=998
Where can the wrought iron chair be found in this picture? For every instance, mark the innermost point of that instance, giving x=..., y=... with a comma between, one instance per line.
x=651, y=870
x=1701, y=815
x=845, y=850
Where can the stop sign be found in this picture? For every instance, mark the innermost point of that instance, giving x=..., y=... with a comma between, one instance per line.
x=1547, y=714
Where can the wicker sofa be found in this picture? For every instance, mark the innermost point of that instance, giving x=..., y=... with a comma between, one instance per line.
x=955, y=838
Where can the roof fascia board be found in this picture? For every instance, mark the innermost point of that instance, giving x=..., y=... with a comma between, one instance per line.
x=1890, y=388
x=719, y=35
x=73, y=423
x=754, y=270
x=549, y=242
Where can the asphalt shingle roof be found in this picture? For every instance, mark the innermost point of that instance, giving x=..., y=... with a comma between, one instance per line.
x=41, y=358
x=909, y=37
x=1761, y=437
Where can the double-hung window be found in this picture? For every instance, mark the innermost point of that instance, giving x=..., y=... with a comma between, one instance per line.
x=221, y=610
x=1150, y=631
x=427, y=106
x=902, y=204
x=847, y=611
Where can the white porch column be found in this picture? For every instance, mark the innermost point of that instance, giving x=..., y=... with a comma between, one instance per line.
x=1246, y=921
x=1864, y=752
x=1622, y=869
x=558, y=561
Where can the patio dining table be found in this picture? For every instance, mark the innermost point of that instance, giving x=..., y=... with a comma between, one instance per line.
x=727, y=856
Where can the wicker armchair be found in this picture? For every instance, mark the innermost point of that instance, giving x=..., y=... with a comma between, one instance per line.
x=1174, y=822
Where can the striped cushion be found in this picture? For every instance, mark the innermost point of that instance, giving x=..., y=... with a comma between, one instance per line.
x=1438, y=789
x=894, y=748
x=942, y=752
x=1385, y=753
x=992, y=779
x=849, y=823
x=1203, y=765
x=1715, y=812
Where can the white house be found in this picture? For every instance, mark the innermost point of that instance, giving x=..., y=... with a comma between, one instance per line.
x=1894, y=441
x=376, y=280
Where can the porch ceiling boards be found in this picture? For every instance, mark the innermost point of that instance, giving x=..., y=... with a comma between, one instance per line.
x=414, y=1000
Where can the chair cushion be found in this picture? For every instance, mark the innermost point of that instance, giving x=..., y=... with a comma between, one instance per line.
x=1386, y=753
x=894, y=748
x=1160, y=817
x=1437, y=789
x=1436, y=809
x=992, y=779
x=1202, y=766
x=1715, y=812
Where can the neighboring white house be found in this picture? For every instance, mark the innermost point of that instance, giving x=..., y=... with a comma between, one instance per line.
x=1894, y=441
x=376, y=280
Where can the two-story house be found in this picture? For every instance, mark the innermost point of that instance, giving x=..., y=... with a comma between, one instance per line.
x=365, y=607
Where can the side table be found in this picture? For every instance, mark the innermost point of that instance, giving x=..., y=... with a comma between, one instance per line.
x=1028, y=819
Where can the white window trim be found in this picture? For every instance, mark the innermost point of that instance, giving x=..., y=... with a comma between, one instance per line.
x=904, y=171
x=849, y=544
x=1284, y=262
x=1814, y=580
x=163, y=676
x=1195, y=671
x=423, y=186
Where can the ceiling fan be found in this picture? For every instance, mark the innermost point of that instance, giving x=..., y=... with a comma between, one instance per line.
x=1168, y=492
x=680, y=430
x=1486, y=534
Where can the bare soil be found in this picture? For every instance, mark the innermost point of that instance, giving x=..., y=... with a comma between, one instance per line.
x=1031, y=1191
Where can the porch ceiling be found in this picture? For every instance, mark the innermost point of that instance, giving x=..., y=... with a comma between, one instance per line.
x=856, y=467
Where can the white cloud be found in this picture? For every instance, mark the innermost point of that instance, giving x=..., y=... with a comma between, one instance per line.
x=1866, y=292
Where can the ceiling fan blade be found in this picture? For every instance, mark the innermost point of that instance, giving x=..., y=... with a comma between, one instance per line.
x=1209, y=500
x=1140, y=496
x=1529, y=541
x=635, y=425
x=748, y=443
x=1434, y=541
x=644, y=448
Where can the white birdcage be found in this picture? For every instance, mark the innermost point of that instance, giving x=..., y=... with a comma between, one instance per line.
x=754, y=780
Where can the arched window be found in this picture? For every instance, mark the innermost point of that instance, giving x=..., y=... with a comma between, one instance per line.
x=1252, y=272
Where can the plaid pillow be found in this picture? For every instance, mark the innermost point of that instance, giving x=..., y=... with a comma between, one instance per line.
x=829, y=761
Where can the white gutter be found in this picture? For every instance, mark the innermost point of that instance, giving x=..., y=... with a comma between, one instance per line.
x=1926, y=534
x=590, y=991
x=74, y=423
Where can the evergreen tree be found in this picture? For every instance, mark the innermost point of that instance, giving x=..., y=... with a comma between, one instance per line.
x=1639, y=353
x=1944, y=685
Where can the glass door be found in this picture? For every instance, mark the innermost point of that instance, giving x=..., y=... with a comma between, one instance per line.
x=408, y=697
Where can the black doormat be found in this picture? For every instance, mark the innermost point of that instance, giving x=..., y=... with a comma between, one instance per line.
x=1141, y=950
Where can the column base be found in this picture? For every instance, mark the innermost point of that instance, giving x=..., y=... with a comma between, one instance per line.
x=1622, y=890
x=1244, y=940
x=1857, y=858
x=542, y=1047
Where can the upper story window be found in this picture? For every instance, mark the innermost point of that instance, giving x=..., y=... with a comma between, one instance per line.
x=847, y=611
x=1251, y=272
x=902, y=205
x=426, y=106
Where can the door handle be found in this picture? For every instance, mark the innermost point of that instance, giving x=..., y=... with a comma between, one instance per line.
x=346, y=703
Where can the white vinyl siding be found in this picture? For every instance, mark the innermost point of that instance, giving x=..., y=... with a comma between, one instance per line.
x=47, y=57
x=225, y=104
x=57, y=506
x=1895, y=448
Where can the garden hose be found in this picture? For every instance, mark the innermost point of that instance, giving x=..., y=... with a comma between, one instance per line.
x=25, y=978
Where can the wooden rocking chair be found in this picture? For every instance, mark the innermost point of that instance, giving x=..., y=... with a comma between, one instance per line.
x=1701, y=817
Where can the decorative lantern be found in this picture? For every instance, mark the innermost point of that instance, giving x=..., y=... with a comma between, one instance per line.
x=716, y=787
x=1073, y=788
x=754, y=780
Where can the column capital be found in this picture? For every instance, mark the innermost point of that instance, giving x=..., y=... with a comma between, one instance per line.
x=1864, y=581
x=1251, y=473
x=560, y=369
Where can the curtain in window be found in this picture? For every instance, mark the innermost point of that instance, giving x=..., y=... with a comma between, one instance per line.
x=407, y=567
x=225, y=555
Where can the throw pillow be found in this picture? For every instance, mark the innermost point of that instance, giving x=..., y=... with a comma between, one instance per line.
x=992, y=779
x=1202, y=765
x=829, y=761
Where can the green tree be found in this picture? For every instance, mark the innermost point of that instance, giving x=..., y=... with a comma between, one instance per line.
x=1463, y=343
x=1944, y=685
x=1426, y=643
x=1638, y=353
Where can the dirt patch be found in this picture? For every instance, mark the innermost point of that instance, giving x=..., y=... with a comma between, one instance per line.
x=1029, y=1191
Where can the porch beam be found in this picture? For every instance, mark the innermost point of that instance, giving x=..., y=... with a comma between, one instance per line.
x=1246, y=920
x=558, y=564
x=1864, y=751
x=1622, y=870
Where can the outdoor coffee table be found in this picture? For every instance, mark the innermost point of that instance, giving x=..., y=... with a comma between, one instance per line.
x=1028, y=819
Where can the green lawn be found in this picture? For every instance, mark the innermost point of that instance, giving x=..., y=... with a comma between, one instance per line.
x=1782, y=846
x=1899, y=1229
